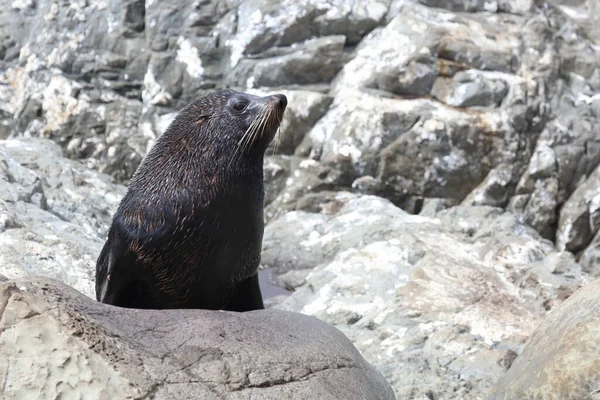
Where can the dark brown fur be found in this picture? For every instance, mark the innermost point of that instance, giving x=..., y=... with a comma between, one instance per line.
x=188, y=232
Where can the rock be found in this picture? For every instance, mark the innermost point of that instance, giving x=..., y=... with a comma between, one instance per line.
x=494, y=190
x=276, y=172
x=510, y=6
x=370, y=80
x=308, y=176
x=262, y=24
x=310, y=62
x=580, y=215
x=470, y=6
x=170, y=354
x=73, y=192
x=446, y=109
x=6, y=121
x=560, y=356
x=590, y=257
x=515, y=6
x=567, y=151
x=542, y=165
x=442, y=155
x=431, y=206
x=418, y=148
x=399, y=59
x=540, y=211
x=469, y=90
x=437, y=323
x=54, y=213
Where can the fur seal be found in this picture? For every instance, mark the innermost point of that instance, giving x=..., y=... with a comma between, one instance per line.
x=188, y=233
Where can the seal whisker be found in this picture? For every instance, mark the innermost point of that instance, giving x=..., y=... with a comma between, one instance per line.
x=261, y=127
x=254, y=127
x=251, y=133
x=241, y=143
x=278, y=141
x=275, y=124
x=237, y=149
x=250, y=138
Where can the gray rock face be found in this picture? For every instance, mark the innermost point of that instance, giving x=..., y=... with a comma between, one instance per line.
x=422, y=306
x=580, y=216
x=429, y=99
x=424, y=148
x=590, y=257
x=110, y=352
x=310, y=180
x=440, y=305
x=457, y=111
x=311, y=62
x=560, y=359
x=494, y=189
x=511, y=6
x=54, y=213
x=469, y=90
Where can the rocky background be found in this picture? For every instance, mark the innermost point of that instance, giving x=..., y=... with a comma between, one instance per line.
x=434, y=191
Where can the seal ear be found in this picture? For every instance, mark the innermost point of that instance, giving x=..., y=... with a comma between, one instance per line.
x=200, y=120
x=203, y=115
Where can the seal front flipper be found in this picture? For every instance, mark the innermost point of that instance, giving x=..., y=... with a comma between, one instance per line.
x=247, y=297
x=116, y=281
x=109, y=285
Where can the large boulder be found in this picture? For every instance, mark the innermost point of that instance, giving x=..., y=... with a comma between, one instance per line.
x=58, y=342
x=562, y=357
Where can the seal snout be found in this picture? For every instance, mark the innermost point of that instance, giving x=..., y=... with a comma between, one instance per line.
x=280, y=99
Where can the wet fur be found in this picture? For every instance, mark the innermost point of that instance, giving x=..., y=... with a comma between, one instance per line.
x=188, y=232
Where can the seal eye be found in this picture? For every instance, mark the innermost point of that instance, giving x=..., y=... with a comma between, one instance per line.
x=240, y=106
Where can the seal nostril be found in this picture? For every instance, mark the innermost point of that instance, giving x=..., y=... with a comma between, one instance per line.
x=282, y=100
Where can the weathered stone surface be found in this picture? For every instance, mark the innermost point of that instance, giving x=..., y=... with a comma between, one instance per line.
x=427, y=103
x=590, y=257
x=308, y=176
x=311, y=62
x=540, y=211
x=105, y=79
x=560, y=360
x=110, y=352
x=419, y=147
x=448, y=298
x=467, y=89
x=262, y=24
x=54, y=213
x=511, y=6
x=580, y=216
x=399, y=58
x=495, y=189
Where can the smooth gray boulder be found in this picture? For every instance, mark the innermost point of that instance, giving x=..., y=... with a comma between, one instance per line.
x=59, y=343
x=562, y=357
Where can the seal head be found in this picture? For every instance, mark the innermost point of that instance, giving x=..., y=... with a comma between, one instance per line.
x=188, y=232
